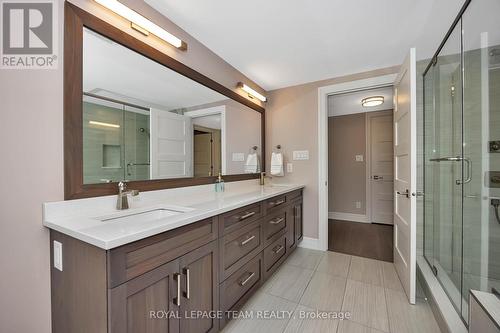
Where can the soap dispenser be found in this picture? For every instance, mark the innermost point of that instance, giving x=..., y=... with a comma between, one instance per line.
x=219, y=184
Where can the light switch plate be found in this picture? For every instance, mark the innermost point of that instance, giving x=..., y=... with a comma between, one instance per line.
x=289, y=167
x=238, y=157
x=359, y=158
x=58, y=261
x=301, y=155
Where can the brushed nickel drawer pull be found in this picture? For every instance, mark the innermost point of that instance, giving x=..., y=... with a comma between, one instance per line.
x=242, y=283
x=247, y=215
x=277, y=221
x=177, y=300
x=278, y=249
x=277, y=203
x=186, y=294
x=248, y=240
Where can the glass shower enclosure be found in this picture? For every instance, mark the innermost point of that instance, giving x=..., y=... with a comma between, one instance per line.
x=461, y=152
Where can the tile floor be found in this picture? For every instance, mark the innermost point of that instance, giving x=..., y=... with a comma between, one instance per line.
x=312, y=281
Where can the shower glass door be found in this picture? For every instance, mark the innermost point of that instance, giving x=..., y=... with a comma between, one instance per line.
x=462, y=157
x=443, y=167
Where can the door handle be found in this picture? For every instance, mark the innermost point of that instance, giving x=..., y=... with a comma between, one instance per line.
x=278, y=249
x=177, y=300
x=247, y=215
x=277, y=221
x=277, y=203
x=405, y=193
x=377, y=177
x=242, y=283
x=187, y=292
x=246, y=241
x=417, y=194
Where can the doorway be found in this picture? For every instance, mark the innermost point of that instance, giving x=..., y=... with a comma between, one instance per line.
x=207, y=151
x=360, y=173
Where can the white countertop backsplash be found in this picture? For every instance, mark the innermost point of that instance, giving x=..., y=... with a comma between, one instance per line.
x=78, y=218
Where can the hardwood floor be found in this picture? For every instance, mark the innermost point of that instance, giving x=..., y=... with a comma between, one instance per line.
x=361, y=239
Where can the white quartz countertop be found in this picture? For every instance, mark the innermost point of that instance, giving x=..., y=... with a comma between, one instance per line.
x=83, y=218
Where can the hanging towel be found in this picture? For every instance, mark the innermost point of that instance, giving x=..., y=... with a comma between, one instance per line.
x=277, y=164
x=252, y=164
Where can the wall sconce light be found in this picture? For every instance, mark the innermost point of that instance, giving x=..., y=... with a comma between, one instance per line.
x=372, y=101
x=142, y=24
x=251, y=93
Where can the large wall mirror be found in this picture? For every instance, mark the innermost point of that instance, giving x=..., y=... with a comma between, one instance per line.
x=138, y=116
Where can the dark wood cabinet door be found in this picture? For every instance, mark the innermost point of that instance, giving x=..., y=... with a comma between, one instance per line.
x=147, y=304
x=298, y=221
x=200, y=290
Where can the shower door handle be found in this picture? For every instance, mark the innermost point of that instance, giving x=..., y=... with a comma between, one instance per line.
x=468, y=164
x=446, y=159
x=468, y=173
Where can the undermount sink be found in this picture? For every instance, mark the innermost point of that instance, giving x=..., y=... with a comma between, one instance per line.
x=145, y=215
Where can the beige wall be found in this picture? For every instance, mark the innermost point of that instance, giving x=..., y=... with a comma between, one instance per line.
x=243, y=131
x=346, y=177
x=31, y=150
x=292, y=121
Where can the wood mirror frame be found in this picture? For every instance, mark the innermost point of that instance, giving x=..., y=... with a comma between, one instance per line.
x=75, y=20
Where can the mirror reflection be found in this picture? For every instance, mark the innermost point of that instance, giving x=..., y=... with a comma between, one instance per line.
x=142, y=120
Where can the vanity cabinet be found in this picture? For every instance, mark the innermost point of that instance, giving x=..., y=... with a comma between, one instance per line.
x=161, y=300
x=164, y=282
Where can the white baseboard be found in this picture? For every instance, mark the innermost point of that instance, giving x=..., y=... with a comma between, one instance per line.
x=348, y=217
x=310, y=243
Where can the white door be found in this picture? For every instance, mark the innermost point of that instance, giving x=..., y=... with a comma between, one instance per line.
x=405, y=175
x=171, y=145
x=381, y=166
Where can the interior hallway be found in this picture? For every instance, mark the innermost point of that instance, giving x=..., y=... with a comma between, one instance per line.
x=328, y=281
x=368, y=240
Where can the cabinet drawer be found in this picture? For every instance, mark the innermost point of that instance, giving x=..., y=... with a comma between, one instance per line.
x=239, y=245
x=294, y=195
x=134, y=259
x=275, y=203
x=274, y=252
x=275, y=225
x=238, y=284
x=235, y=219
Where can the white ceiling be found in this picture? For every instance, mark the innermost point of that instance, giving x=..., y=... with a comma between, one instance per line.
x=281, y=43
x=350, y=103
x=112, y=70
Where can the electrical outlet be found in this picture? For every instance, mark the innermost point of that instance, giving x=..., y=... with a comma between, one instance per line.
x=359, y=158
x=289, y=167
x=358, y=204
x=58, y=258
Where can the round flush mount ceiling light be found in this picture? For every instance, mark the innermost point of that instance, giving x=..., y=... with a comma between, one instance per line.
x=372, y=101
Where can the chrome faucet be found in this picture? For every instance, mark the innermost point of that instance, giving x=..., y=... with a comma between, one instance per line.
x=122, y=202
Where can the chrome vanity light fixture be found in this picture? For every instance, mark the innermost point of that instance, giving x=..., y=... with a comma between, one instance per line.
x=142, y=24
x=251, y=92
x=372, y=101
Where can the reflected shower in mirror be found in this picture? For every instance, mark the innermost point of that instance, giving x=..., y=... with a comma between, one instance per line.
x=142, y=120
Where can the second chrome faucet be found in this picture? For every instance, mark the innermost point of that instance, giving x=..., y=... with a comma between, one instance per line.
x=122, y=200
